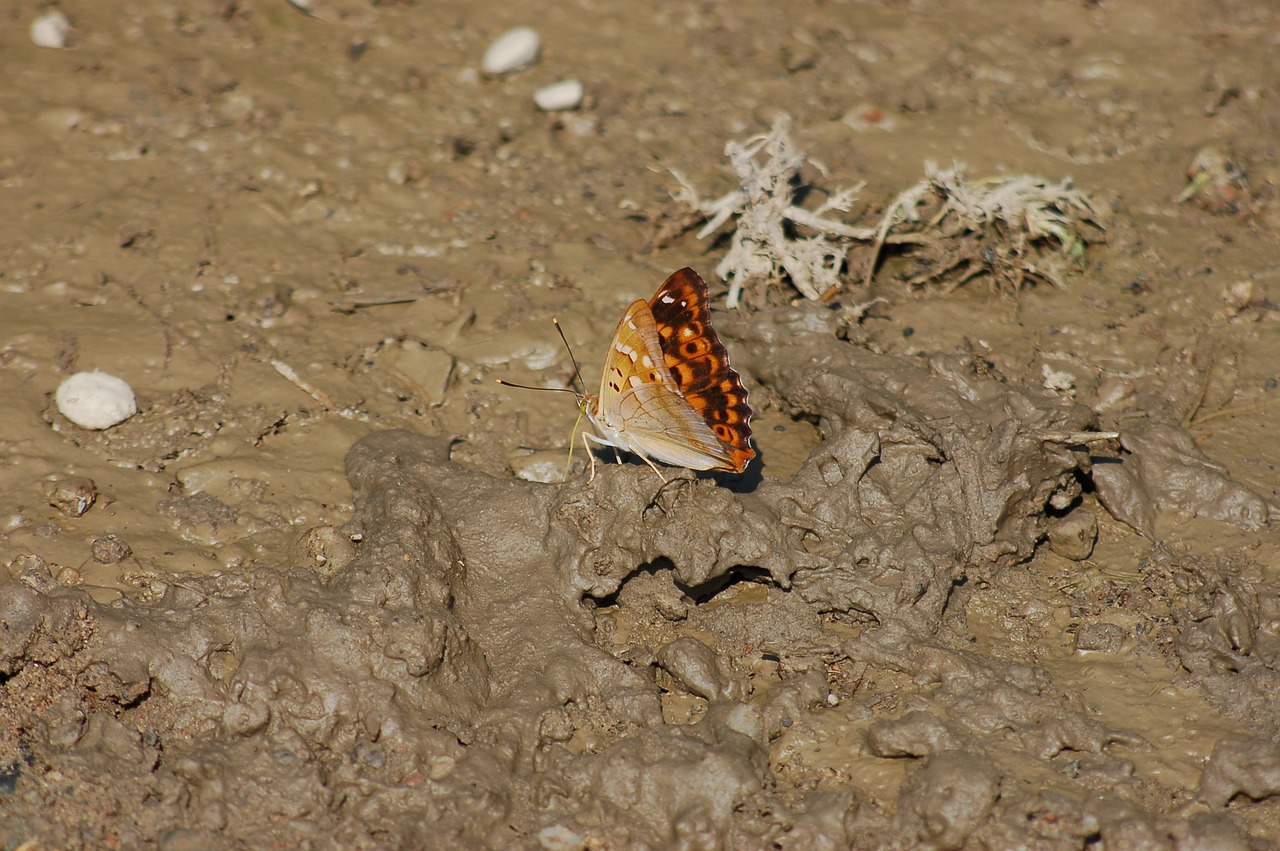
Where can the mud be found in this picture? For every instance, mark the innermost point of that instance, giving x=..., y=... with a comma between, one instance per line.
x=1003, y=574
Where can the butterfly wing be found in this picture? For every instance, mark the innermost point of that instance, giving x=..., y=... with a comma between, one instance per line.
x=699, y=364
x=662, y=425
x=640, y=407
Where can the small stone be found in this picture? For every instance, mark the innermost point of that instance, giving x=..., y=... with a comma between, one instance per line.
x=60, y=119
x=799, y=55
x=66, y=724
x=73, y=496
x=511, y=51
x=109, y=549
x=50, y=30
x=555, y=726
x=1073, y=536
x=740, y=717
x=1099, y=638
x=245, y=719
x=15, y=521
x=1113, y=394
x=35, y=572
x=372, y=756
x=545, y=466
x=695, y=668
x=326, y=549
x=566, y=94
x=222, y=665
x=96, y=400
x=557, y=837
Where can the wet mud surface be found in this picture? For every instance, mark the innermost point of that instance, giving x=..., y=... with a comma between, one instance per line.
x=1003, y=574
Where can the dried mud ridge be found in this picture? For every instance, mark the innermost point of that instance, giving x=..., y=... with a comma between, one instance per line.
x=450, y=680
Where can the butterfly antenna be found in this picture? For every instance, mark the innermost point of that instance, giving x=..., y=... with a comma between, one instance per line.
x=576, y=377
x=577, y=370
x=531, y=387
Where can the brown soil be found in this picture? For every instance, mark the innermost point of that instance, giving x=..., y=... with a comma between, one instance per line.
x=315, y=593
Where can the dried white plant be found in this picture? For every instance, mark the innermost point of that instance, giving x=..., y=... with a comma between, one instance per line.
x=760, y=247
x=992, y=226
x=956, y=228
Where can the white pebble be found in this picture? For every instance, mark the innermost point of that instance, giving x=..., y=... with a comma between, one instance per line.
x=566, y=94
x=557, y=837
x=96, y=400
x=50, y=30
x=513, y=50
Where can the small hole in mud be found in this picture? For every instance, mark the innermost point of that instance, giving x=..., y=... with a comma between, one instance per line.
x=727, y=585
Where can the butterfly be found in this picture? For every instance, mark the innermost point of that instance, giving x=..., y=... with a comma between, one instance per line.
x=668, y=393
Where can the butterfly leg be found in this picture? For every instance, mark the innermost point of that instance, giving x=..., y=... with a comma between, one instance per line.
x=654, y=467
x=590, y=437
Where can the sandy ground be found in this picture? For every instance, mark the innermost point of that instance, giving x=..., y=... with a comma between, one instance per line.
x=326, y=589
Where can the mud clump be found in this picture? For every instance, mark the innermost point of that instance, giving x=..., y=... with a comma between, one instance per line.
x=947, y=798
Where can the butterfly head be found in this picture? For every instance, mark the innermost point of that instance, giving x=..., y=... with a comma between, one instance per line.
x=589, y=406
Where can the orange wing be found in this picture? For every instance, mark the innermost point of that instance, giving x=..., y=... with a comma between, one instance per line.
x=699, y=364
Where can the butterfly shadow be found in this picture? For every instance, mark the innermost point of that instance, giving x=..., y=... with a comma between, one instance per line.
x=745, y=482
